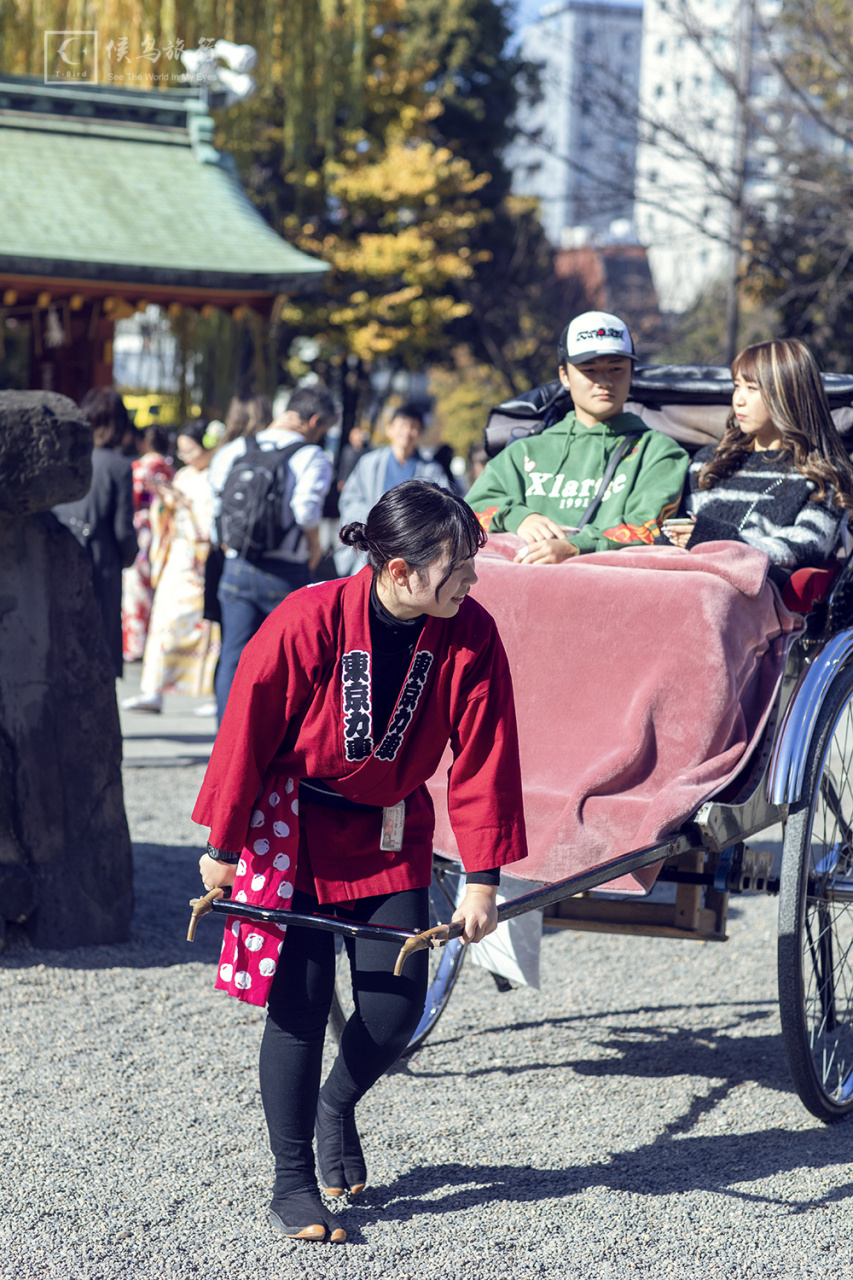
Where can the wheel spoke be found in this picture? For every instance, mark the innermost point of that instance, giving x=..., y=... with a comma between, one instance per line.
x=833, y=801
x=826, y=972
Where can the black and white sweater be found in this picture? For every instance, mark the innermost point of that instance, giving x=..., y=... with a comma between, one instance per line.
x=767, y=503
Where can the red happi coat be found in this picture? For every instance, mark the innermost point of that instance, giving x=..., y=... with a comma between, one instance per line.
x=300, y=706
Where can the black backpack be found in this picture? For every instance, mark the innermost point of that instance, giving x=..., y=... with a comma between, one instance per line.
x=250, y=519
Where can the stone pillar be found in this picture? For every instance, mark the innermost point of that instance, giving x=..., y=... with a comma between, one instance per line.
x=65, y=854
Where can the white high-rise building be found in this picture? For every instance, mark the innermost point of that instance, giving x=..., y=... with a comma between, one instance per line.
x=694, y=168
x=582, y=168
x=686, y=151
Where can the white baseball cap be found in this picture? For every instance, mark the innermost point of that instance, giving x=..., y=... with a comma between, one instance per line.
x=598, y=333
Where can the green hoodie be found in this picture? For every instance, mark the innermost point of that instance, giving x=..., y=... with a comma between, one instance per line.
x=558, y=474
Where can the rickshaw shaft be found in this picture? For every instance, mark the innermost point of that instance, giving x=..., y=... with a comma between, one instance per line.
x=624, y=865
x=327, y=924
x=673, y=875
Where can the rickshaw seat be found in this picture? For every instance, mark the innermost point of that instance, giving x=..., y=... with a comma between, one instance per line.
x=643, y=677
x=809, y=587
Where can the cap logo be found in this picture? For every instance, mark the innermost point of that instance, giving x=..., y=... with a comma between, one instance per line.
x=587, y=334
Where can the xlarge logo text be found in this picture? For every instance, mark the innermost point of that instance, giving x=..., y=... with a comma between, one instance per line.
x=570, y=493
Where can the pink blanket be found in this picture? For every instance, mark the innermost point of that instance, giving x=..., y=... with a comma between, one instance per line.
x=642, y=678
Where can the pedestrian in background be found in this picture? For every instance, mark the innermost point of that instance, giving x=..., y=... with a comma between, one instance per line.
x=102, y=522
x=380, y=470
x=251, y=588
x=357, y=445
x=246, y=416
x=182, y=646
x=151, y=468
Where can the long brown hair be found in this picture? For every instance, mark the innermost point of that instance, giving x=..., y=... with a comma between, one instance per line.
x=246, y=416
x=786, y=374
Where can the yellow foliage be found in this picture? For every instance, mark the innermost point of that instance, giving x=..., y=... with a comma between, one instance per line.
x=463, y=396
x=408, y=172
x=408, y=213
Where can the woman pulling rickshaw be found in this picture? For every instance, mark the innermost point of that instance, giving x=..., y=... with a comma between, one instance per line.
x=340, y=711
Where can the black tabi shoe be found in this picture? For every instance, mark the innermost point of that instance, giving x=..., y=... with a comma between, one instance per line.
x=340, y=1161
x=301, y=1216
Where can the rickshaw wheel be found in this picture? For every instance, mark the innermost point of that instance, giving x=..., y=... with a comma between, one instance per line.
x=445, y=963
x=815, y=949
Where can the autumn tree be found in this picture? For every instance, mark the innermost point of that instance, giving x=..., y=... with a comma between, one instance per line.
x=412, y=205
x=746, y=158
x=513, y=299
x=801, y=243
x=374, y=140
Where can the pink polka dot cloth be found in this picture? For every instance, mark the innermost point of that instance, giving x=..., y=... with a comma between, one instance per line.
x=265, y=877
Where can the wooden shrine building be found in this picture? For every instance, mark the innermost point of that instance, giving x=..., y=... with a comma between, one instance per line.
x=113, y=199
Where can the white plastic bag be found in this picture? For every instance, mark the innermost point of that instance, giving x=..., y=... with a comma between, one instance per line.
x=513, y=949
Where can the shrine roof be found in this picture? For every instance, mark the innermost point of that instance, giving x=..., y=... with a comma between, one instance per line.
x=125, y=186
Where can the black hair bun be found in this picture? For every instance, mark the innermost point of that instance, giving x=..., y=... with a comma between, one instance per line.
x=355, y=535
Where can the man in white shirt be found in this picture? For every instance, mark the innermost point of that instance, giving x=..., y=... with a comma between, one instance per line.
x=249, y=591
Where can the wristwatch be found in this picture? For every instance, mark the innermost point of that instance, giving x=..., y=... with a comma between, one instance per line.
x=221, y=855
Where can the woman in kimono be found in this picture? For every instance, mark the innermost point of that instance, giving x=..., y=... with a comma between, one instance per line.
x=182, y=647
x=315, y=797
x=151, y=469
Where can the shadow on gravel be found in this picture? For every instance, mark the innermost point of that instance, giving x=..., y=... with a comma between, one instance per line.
x=648, y=1048
x=732, y=1054
x=165, y=878
x=667, y=1166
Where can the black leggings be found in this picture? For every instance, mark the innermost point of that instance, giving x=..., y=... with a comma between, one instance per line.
x=387, y=1011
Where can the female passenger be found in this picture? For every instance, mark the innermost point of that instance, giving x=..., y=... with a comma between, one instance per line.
x=780, y=478
x=341, y=708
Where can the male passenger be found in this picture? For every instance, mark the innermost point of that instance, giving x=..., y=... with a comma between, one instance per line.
x=541, y=486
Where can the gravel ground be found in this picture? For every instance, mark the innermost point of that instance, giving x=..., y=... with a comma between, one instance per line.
x=633, y=1118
